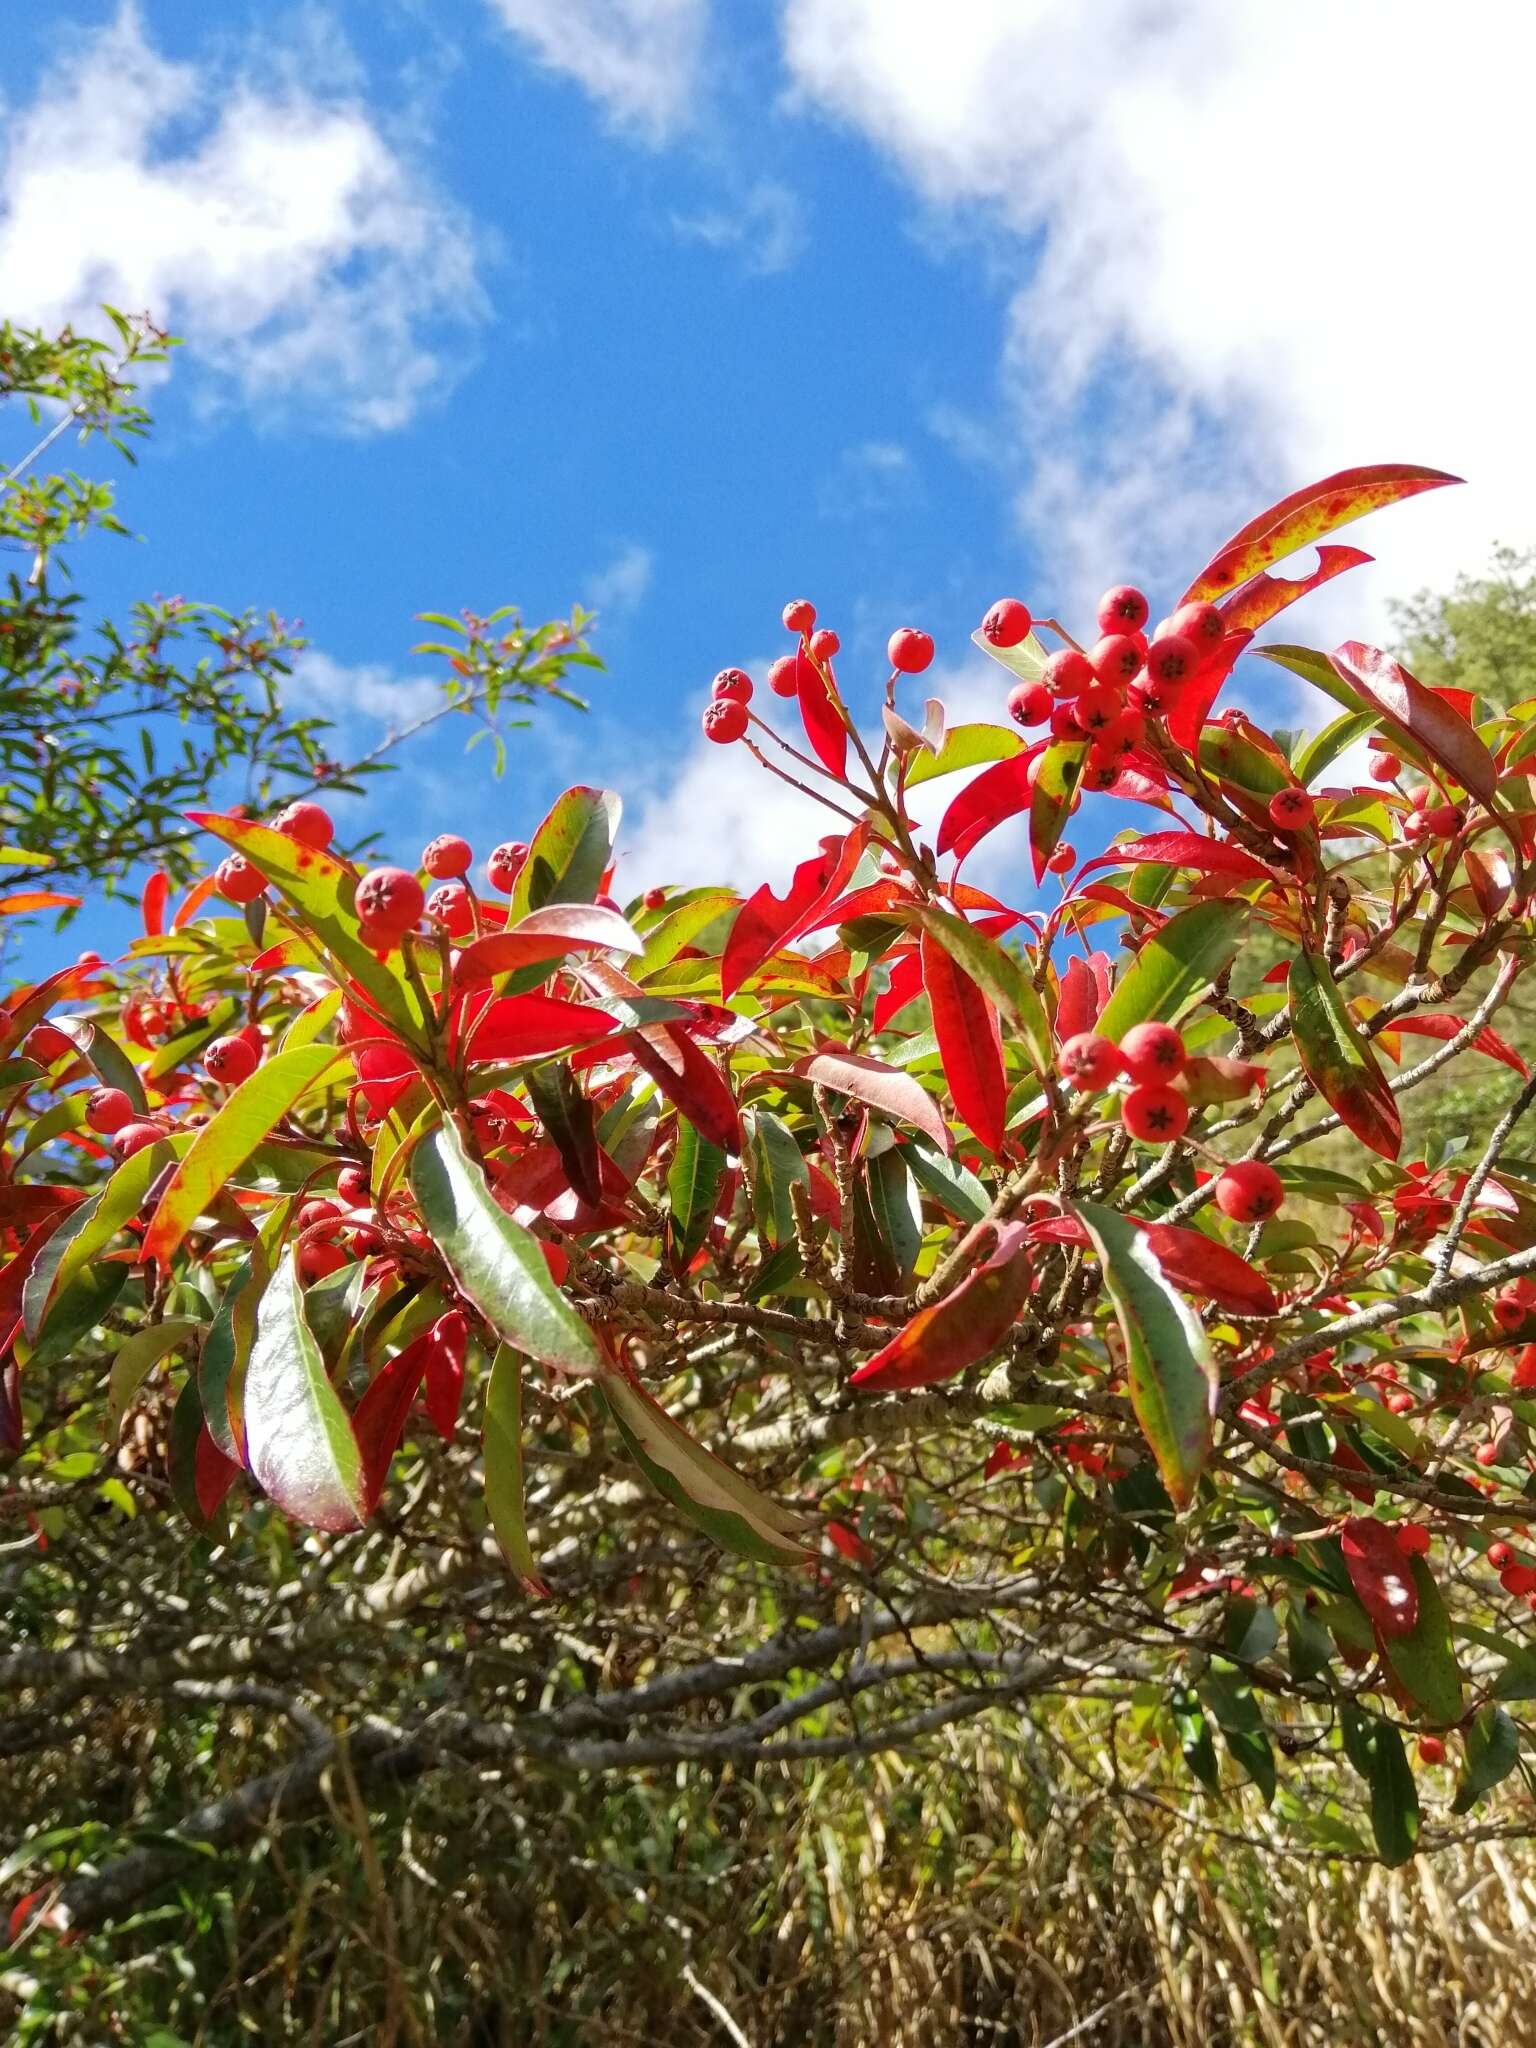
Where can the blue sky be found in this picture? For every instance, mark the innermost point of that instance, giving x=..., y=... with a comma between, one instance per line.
x=681, y=309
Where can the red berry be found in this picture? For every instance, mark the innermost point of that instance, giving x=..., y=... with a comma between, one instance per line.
x=1152, y=1052
x=1116, y=658
x=1089, y=1062
x=1201, y=623
x=1415, y=827
x=784, y=675
x=1067, y=673
x=1123, y=610
x=230, y=1060
x=107, y=1110
x=1508, y=1313
x=1064, y=722
x=824, y=644
x=1155, y=1113
x=1385, y=767
x=1154, y=699
x=134, y=1137
x=725, y=719
x=1062, y=860
x=1007, y=623
x=354, y=1186
x=1124, y=732
x=1420, y=796
x=447, y=857
x=1029, y=703
x=1098, y=707
x=238, y=880
x=1500, y=1556
x=1525, y=1368
x=1431, y=1750
x=1443, y=822
x=453, y=908
x=309, y=824
x=1488, y=1454
x=732, y=682
x=320, y=1210
x=315, y=1260
x=1292, y=810
x=909, y=650
x=654, y=899
x=505, y=864
x=1249, y=1191
x=1172, y=660
x=389, y=900
x=799, y=615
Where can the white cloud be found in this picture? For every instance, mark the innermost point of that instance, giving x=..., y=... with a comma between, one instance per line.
x=640, y=59
x=1254, y=245
x=623, y=582
x=868, y=479
x=764, y=227
x=323, y=687
x=275, y=229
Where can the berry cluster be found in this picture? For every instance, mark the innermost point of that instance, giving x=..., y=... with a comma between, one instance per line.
x=726, y=717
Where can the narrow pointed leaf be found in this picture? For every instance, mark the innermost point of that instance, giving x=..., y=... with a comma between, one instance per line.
x=952, y=1185
x=1264, y=597
x=1052, y=797
x=970, y=1044
x=766, y=923
x=1337, y=1059
x=778, y=1164
x=1176, y=966
x=1394, y=1797
x=379, y=1419
x=1438, y=727
x=1184, y=850
x=693, y=1189
x=566, y=1114
x=1384, y=1584
x=503, y=1444
x=1423, y=1657
x=199, y=1472
x=824, y=725
x=299, y=1442
x=987, y=801
x=443, y=1385
x=968, y=1325
x=1000, y=975
x=899, y=1096
x=227, y=1352
x=690, y=1080
x=1493, y=1749
x=1306, y=515
x=107, y=1059
x=570, y=852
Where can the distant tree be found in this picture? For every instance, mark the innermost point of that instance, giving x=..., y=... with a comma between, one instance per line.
x=1480, y=635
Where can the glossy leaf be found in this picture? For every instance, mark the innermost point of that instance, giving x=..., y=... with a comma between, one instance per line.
x=227, y=1352
x=1493, y=1749
x=1264, y=597
x=1440, y=730
x=690, y=1080
x=968, y=1325
x=1384, y=1584
x=824, y=724
x=300, y=1447
x=1426, y=1024
x=987, y=801
x=1175, y=966
x=443, y=1382
x=570, y=852
x=886, y=1088
x=547, y=934
x=965, y=746
x=693, y=1189
x=1052, y=797
x=1169, y=1369
x=766, y=923
x=970, y=1044
x=84, y=1233
x=1000, y=975
x=1190, y=1261
x=105, y=1057
x=379, y=1419
x=1184, y=850
x=948, y=1182
x=1337, y=1059
x=777, y=1165
x=503, y=1445
x=1234, y=1709
x=528, y=1026
x=1422, y=1656
x=567, y=1116
x=1394, y=1797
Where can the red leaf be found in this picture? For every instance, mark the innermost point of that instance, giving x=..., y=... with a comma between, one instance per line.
x=824, y=724
x=691, y=1080
x=885, y=1088
x=194, y=900
x=1052, y=798
x=213, y=1474
x=1381, y=1576
x=970, y=1044
x=998, y=792
x=1490, y=877
x=1438, y=727
x=1192, y=1262
x=1192, y=710
x=906, y=984
x=444, y=1388
x=153, y=901
x=766, y=922
x=1264, y=597
x=1084, y=992
x=522, y=1027
x=547, y=934
x=1184, y=850
x=378, y=1422
x=1487, y=1040
x=1306, y=515
x=967, y=1326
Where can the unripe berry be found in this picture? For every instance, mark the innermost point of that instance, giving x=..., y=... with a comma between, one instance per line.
x=1029, y=703
x=1249, y=1191
x=1155, y=1113
x=134, y=1137
x=447, y=857
x=732, y=682
x=1385, y=767
x=654, y=899
x=910, y=650
x=1123, y=610
x=823, y=644
x=1291, y=809
x=505, y=864
x=784, y=675
x=238, y=880
x=452, y=907
x=1116, y=658
x=230, y=1060
x=353, y=1186
x=1201, y=623
x=1431, y=1750
x=389, y=900
x=725, y=719
x=1173, y=660
x=1067, y=673
x=799, y=615
x=309, y=824
x=107, y=1110
x=1088, y=1062
x=1007, y=623
x=1063, y=859
x=1152, y=1052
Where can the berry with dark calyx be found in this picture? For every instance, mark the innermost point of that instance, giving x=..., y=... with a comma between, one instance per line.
x=1292, y=809
x=453, y=908
x=784, y=675
x=799, y=615
x=823, y=644
x=238, y=880
x=1088, y=1062
x=1155, y=1113
x=1249, y=1192
x=1029, y=703
x=389, y=900
x=909, y=650
x=230, y=1060
x=1117, y=658
x=1063, y=860
x=1124, y=732
x=1067, y=673
x=1443, y=821
x=1508, y=1312
x=1006, y=623
x=1173, y=660
x=725, y=719
x=732, y=682
x=354, y=1186
x=309, y=824
x=1098, y=707
x=447, y=857
x=1500, y=1556
x=1431, y=1750
x=1153, y=699
x=107, y=1110
x=505, y=865
x=1385, y=767
x=316, y=1259
x=134, y=1137
x=1123, y=610
x=1152, y=1052
x=1064, y=721
x=1199, y=622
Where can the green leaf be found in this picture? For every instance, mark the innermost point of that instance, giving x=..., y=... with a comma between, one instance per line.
x=110, y=1063
x=1394, y=1797
x=1423, y=1659
x=719, y=1501
x=953, y=1186
x=693, y=1189
x=570, y=853
x=895, y=1209
x=86, y=1232
x=1057, y=776
x=1337, y=1060
x=224, y=1144
x=1195, y=1744
x=681, y=927
x=1176, y=966
x=227, y=1352
x=496, y=1263
x=299, y=1443
x=503, y=1438
x=84, y=1303
x=1169, y=1368
x=136, y=1357
x=1493, y=1749
x=965, y=746
x=566, y=1113
x=778, y=1166
x=1237, y=1715
x=1325, y=747
x=1000, y=975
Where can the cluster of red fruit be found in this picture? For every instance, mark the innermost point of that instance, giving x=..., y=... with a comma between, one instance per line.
x=1153, y=1109
x=726, y=716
